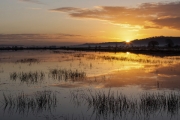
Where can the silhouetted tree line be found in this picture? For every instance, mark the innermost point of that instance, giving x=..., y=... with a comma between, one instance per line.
x=153, y=44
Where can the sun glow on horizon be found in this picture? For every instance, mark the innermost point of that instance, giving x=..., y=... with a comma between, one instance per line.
x=128, y=41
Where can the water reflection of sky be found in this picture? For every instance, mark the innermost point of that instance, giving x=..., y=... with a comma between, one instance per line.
x=116, y=70
x=128, y=73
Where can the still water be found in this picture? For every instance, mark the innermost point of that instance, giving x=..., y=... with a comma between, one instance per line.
x=71, y=85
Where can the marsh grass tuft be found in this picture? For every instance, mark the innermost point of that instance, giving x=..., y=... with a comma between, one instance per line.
x=38, y=102
x=119, y=105
x=63, y=74
x=160, y=102
x=28, y=77
x=28, y=60
x=141, y=60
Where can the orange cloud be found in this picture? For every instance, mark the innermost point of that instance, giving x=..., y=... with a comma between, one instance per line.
x=172, y=22
x=148, y=15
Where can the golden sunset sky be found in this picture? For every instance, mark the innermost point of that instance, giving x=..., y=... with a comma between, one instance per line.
x=65, y=22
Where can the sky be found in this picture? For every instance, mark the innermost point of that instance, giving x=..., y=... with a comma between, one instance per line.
x=66, y=22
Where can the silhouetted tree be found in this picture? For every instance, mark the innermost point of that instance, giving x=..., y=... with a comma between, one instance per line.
x=153, y=44
x=89, y=47
x=116, y=46
x=169, y=42
x=95, y=48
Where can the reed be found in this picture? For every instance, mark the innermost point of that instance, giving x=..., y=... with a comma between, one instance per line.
x=117, y=105
x=160, y=102
x=63, y=74
x=141, y=60
x=38, y=102
x=28, y=77
x=28, y=60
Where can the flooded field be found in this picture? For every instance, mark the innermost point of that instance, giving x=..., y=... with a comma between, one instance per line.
x=71, y=85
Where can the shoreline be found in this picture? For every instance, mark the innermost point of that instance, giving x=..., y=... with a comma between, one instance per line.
x=147, y=51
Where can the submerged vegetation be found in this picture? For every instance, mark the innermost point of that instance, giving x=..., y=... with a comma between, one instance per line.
x=38, y=102
x=28, y=77
x=63, y=74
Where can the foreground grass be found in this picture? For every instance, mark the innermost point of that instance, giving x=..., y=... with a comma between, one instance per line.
x=118, y=105
x=38, y=102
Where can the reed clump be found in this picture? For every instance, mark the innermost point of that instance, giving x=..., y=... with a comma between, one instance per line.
x=38, y=102
x=64, y=74
x=28, y=77
x=150, y=103
x=111, y=104
x=28, y=60
x=79, y=55
x=120, y=105
x=141, y=60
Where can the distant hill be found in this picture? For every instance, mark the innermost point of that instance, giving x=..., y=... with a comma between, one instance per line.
x=138, y=42
x=161, y=40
